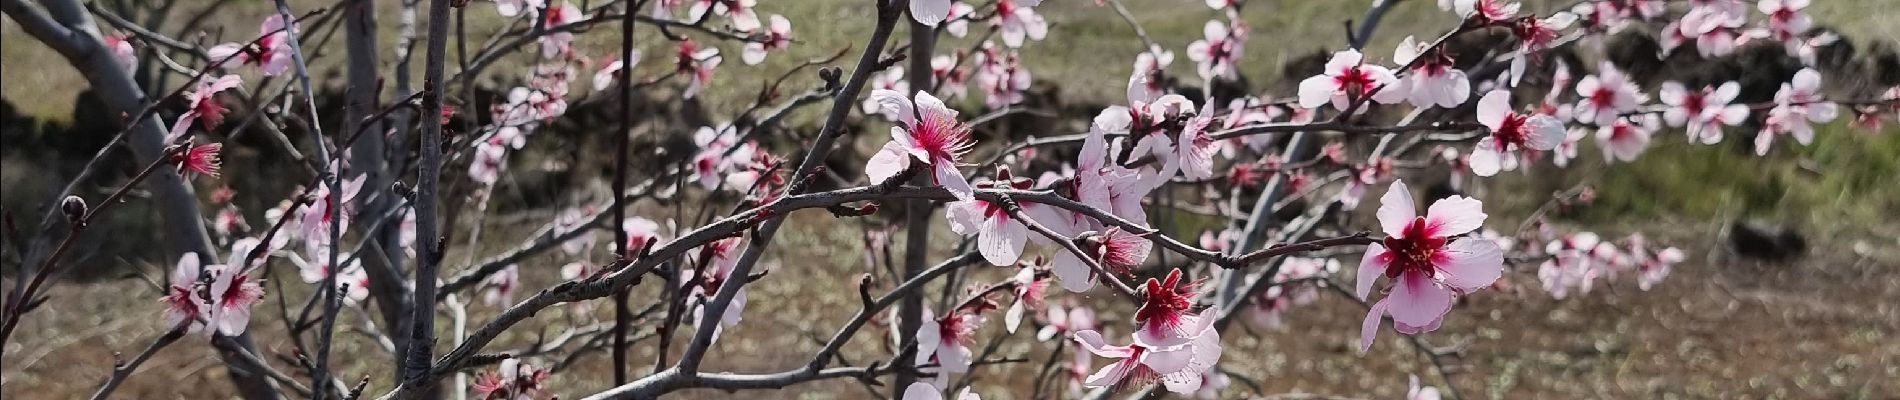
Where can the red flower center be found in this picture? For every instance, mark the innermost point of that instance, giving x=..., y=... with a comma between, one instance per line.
x=1413, y=251
x=1694, y=102
x=235, y=294
x=1354, y=80
x=1511, y=132
x=210, y=110
x=941, y=136
x=1166, y=303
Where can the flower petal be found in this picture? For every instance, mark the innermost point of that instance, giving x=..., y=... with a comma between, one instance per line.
x=929, y=12
x=1470, y=263
x=894, y=105
x=1164, y=362
x=1001, y=240
x=950, y=179
x=1417, y=301
x=888, y=162
x=1369, y=329
x=1072, y=273
x=1370, y=267
x=1493, y=107
x=1396, y=210
x=1454, y=216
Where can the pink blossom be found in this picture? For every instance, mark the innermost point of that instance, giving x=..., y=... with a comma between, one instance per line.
x=499, y=288
x=1364, y=176
x=1705, y=112
x=1606, y=95
x=1797, y=103
x=724, y=257
x=1102, y=184
x=1787, y=21
x=1486, y=11
x=203, y=104
x=1434, y=82
x=271, y=53
x=739, y=12
x=1029, y=291
x=1627, y=138
x=199, y=160
x=1704, y=15
x=777, y=37
x=510, y=8
x=1195, y=147
x=950, y=79
x=1511, y=134
x=317, y=217
x=1415, y=392
x=639, y=231
x=523, y=110
x=314, y=265
x=604, y=78
x=698, y=63
x=1808, y=49
x=353, y=284
x=926, y=391
x=351, y=280
x=1714, y=26
x=229, y=221
x=1179, y=369
x=1166, y=318
x=1017, y=19
x=123, y=52
x=892, y=80
x=233, y=292
x=1149, y=80
x=1570, y=265
x=1428, y=264
x=1221, y=242
x=1066, y=320
x=929, y=12
x=182, y=302
x=947, y=339
x=1615, y=15
x=490, y=158
x=1534, y=36
x=721, y=157
x=1151, y=123
x=512, y=380
x=958, y=22
x=662, y=9
x=1652, y=266
x=999, y=235
x=928, y=133
x=1117, y=251
x=1348, y=79
x=1219, y=50
x=558, y=42
x=1564, y=152
x=1003, y=79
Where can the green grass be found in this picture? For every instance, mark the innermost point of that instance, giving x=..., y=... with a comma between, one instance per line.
x=1842, y=180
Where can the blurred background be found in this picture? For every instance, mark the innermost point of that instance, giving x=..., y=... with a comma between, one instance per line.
x=1814, y=316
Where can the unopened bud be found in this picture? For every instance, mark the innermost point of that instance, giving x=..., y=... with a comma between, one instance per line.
x=402, y=189
x=75, y=208
x=830, y=75
x=1587, y=195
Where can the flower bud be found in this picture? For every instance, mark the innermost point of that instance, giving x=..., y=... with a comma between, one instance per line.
x=402, y=189
x=74, y=207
